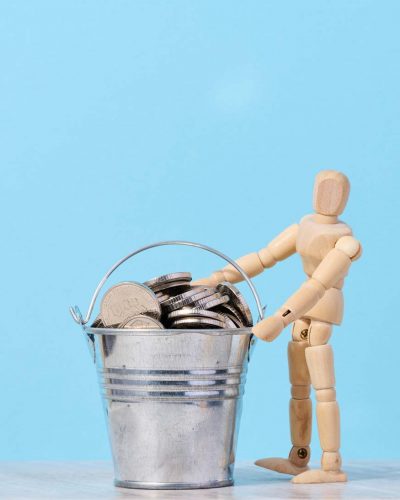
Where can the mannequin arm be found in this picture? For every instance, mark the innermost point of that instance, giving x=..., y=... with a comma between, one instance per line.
x=280, y=248
x=333, y=268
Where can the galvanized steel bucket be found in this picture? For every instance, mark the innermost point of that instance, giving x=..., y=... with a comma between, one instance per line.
x=172, y=398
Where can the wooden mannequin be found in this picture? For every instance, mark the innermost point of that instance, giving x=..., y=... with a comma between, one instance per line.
x=327, y=249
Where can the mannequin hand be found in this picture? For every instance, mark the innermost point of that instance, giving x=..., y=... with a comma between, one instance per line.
x=203, y=281
x=269, y=328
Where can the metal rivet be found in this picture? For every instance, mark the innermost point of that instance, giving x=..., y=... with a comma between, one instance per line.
x=304, y=333
x=302, y=453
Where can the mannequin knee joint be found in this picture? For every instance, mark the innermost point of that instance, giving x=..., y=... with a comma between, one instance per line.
x=325, y=395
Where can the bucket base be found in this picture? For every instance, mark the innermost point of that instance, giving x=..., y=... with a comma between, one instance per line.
x=171, y=486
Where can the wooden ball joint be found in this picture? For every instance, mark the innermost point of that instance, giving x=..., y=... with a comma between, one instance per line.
x=327, y=249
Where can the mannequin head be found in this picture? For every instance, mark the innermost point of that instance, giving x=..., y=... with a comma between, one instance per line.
x=331, y=192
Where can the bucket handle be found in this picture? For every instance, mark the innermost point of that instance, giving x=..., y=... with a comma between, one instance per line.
x=76, y=313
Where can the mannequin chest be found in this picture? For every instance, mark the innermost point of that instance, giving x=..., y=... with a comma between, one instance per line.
x=315, y=240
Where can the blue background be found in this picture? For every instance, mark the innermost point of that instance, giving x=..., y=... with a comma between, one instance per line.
x=123, y=123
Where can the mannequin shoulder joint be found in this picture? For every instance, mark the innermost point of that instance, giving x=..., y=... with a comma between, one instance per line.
x=350, y=246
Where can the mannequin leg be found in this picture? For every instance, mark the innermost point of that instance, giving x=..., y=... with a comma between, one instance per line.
x=300, y=406
x=319, y=357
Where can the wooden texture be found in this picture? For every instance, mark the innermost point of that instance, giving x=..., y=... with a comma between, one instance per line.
x=329, y=425
x=333, y=268
x=254, y=263
x=301, y=330
x=319, y=333
x=300, y=422
x=329, y=309
x=300, y=391
x=280, y=248
x=350, y=246
x=331, y=461
x=93, y=481
x=269, y=328
x=302, y=300
x=299, y=456
x=251, y=263
x=300, y=407
x=320, y=365
x=320, y=476
x=331, y=191
x=321, y=368
x=298, y=371
x=325, y=395
x=316, y=239
x=282, y=465
x=327, y=249
x=300, y=411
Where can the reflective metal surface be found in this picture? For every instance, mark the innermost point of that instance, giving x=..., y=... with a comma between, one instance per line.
x=172, y=398
x=172, y=401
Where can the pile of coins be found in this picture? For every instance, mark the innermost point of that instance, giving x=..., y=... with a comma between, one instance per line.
x=171, y=301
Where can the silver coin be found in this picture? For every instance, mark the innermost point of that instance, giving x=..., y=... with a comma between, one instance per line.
x=162, y=297
x=141, y=322
x=187, y=312
x=204, y=304
x=184, y=285
x=229, y=324
x=98, y=322
x=232, y=313
x=128, y=299
x=197, y=323
x=167, y=278
x=237, y=322
x=213, y=295
x=237, y=300
x=186, y=298
x=187, y=294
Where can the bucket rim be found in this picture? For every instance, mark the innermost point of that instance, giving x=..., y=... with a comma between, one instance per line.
x=166, y=332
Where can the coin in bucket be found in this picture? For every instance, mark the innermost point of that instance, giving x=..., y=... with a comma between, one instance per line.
x=175, y=302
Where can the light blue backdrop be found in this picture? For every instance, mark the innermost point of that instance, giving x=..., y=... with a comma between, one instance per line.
x=123, y=123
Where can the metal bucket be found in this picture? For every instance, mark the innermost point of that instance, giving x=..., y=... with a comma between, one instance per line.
x=172, y=398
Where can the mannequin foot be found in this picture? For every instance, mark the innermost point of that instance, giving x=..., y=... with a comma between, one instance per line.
x=282, y=465
x=320, y=476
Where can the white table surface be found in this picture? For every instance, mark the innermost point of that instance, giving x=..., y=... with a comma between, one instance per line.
x=93, y=480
